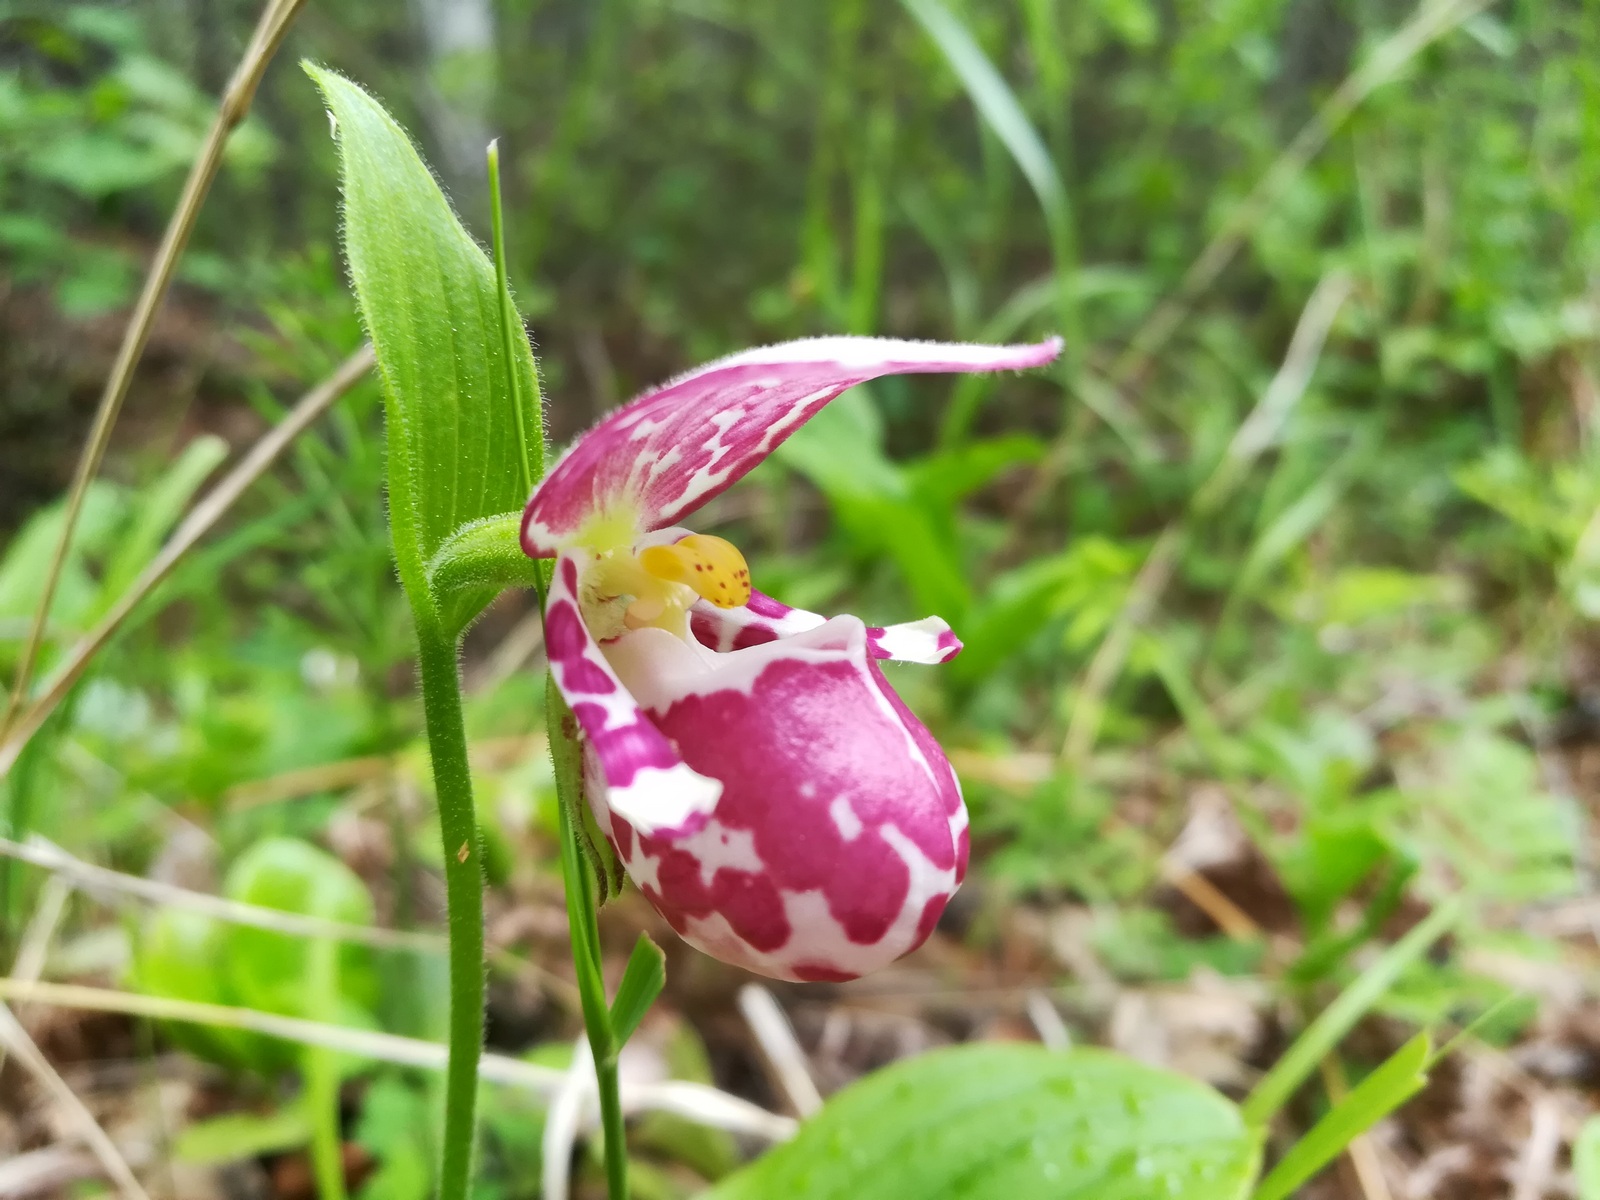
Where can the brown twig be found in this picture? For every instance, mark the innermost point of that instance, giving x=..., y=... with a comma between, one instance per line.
x=236, y=99
x=1211, y=900
x=17, y=1043
x=22, y=1048
x=1537, y=1163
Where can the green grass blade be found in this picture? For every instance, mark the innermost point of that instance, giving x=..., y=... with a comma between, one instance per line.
x=1323, y=1034
x=1400, y=1077
x=1002, y=112
x=642, y=981
x=995, y=101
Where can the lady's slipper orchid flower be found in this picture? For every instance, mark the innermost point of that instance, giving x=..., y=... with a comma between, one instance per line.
x=761, y=782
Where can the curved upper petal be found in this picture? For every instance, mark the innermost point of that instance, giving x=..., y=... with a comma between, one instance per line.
x=668, y=452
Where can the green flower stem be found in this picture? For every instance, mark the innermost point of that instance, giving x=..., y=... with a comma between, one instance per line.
x=566, y=753
x=463, y=875
x=322, y=1076
x=483, y=548
x=586, y=957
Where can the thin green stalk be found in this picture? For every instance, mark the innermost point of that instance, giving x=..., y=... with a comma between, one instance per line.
x=568, y=759
x=498, y=224
x=592, y=995
x=463, y=876
x=327, y=1144
x=322, y=1076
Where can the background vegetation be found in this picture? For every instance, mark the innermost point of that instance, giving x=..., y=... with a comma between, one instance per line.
x=1275, y=639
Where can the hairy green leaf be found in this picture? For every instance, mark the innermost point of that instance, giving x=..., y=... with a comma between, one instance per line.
x=483, y=555
x=432, y=307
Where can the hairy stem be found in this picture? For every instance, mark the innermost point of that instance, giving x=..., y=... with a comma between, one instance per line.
x=567, y=757
x=463, y=874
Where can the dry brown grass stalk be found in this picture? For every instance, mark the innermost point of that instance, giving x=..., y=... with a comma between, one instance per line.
x=236, y=99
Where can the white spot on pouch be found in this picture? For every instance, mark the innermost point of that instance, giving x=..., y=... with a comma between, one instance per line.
x=717, y=847
x=844, y=817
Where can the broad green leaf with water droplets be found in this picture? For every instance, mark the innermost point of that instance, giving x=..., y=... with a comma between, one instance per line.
x=998, y=1121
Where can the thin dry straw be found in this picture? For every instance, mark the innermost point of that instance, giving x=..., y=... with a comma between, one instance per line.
x=693, y=1101
x=17, y=1043
x=21, y=1047
x=776, y=1040
x=100, y=879
x=201, y=519
x=563, y=1120
x=236, y=99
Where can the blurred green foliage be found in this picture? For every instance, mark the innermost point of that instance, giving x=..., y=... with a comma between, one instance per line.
x=1374, y=647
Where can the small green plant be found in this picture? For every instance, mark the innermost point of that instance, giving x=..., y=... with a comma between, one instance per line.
x=188, y=956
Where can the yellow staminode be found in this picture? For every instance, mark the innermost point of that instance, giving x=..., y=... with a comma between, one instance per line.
x=712, y=566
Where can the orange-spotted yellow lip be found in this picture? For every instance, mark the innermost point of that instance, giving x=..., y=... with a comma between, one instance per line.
x=712, y=566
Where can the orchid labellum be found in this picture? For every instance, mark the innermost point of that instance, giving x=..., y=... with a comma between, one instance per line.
x=760, y=780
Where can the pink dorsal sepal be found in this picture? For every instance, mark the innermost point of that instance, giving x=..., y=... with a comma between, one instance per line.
x=668, y=452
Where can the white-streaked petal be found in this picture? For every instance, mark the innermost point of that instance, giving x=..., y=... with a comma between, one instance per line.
x=668, y=452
